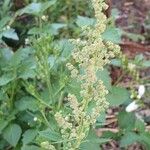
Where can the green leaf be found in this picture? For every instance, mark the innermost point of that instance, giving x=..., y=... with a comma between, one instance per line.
x=31, y=147
x=12, y=134
x=139, y=125
x=36, y=8
x=11, y=34
x=126, y=120
x=128, y=139
x=146, y=64
x=117, y=96
x=20, y=55
x=4, y=21
x=133, y=36
x=50, y=135
x=85, y=21
x=6, y=78
x=29, y=136
x=92, y=142
x=52, y=29
x=105, y=77
x=112, y=34
x=25, y=103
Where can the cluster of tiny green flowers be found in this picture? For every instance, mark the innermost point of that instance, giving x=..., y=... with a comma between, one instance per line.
x=91, y=54
x=47, y=146
x=129, y=67
x=42, y=50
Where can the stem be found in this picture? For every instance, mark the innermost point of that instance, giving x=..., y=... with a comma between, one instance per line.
x=119, y=79
x=43, y=114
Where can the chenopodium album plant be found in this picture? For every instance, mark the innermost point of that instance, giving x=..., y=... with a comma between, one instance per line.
x=68, y=114
x=90, y=54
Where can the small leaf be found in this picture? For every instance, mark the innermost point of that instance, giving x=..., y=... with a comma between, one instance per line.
x=27, y=103
x=30, y=147
x=85, y=21
x=146, y=64
x=105, y=77
x=11, y=34
x=36, y=8
x=12, y=134
x=50, y=135
x=29, y=135
x=6, y=78
x=128, y=139
x=117, y=96
x=126, y=120
x=112, y=34
x=92, y=142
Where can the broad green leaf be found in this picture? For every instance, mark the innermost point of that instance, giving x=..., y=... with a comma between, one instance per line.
x=12, y=134
x=117, y=96
x=11, y=34
x=6, y=78
x=50, y=135
x=20, y=55
x=112, y=34
x=128, y=139
x=126, y=120
x=27, y=69
x=29, y=135
x=85, y=21
x=4, y=21
x=25, y=103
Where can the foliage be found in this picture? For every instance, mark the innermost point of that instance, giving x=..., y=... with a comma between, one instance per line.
x=41, y=68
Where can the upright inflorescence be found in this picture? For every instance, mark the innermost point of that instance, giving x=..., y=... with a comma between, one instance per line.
x=91, y=54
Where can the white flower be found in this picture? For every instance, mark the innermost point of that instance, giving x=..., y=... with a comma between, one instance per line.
x=44, y=18
x=27, y=41
x=141, y=91
x=7, y=27
x=132, y=107
x=35, y=118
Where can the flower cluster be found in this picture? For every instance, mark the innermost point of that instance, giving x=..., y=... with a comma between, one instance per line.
x=91, y=54
x=47, y=146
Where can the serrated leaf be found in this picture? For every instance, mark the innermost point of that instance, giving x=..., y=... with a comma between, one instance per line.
x=25, y=103
x=85, y=21
x=118, y=96
x=12, y=134
x=29, y=135
x=50, y=135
